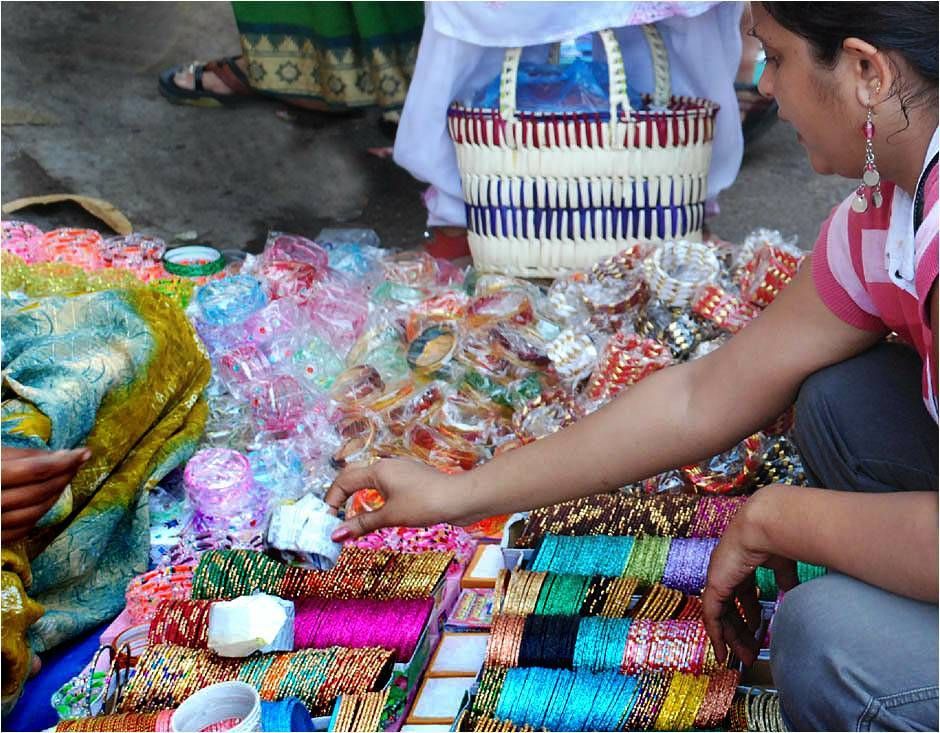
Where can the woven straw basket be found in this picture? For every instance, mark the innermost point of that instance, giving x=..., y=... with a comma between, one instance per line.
x=550, y=193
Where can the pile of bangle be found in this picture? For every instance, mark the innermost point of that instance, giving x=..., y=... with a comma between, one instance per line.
x=318, y=623
x=470, y=723
x=600, y=644
x=395, y=625
x=166, y=675
x=767, y=581
x=359, y=573
x=756, y=710
x=360, y=712
x=676, y=562
x=523, y=592
x=159, y=721
x=619, y=514
x=558, y=699
x=146, y=592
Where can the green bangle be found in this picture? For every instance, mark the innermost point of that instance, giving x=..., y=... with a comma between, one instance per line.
x=193, y=260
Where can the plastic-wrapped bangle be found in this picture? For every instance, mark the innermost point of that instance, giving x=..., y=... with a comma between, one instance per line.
x=195, y=260
x=676, y=270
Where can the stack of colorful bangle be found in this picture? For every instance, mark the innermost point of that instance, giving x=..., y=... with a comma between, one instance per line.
x=158, y=721
x=318, y=624
x=360, y=712
x=676, y=562
x=558, y=699
x=732, y=472
x=523, y=592
x=395, y=625
x=359, y=573
x=619, y=514
x=470, y=723
x=166, y=675
x=756, y=710
x=600, y=644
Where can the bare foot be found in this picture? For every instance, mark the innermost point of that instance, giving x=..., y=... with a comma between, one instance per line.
x=35, y=666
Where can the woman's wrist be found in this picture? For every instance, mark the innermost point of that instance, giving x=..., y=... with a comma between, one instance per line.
x=758, y=515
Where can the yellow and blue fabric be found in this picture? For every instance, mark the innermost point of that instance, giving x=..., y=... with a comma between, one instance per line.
x=121, y=372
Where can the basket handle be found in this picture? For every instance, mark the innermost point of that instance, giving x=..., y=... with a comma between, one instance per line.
x=617, y=75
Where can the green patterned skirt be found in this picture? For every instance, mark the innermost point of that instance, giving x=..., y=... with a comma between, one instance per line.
x=345, y=54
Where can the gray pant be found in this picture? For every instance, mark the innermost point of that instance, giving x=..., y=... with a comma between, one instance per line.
x=846, y=655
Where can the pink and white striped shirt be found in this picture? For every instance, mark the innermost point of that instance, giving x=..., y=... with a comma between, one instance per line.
x=875, y=272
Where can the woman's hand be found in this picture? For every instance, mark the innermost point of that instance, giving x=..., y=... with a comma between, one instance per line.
x=416, y=495
x=731, y=581
x=32, y=481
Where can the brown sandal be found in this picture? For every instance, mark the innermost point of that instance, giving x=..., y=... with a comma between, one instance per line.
x=226, y=69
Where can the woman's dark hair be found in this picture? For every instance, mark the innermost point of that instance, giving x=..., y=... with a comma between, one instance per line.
x=907, y=28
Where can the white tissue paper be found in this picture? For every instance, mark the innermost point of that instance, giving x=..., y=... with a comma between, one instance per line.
x=249, y=624
x=304, y=528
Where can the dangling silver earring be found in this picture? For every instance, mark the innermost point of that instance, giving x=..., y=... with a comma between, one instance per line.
x=870, y=177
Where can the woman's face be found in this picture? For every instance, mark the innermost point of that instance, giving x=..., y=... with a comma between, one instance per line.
x=821, y=103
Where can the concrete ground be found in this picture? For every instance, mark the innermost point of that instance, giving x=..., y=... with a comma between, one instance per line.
x=81, y=114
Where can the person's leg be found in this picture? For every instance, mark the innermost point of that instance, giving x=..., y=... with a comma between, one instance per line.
x=848, y=656
x=861, y=425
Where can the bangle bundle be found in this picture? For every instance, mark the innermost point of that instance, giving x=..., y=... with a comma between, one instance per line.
x=767, y=580
x=756, y=710
x=395, y=625
x=146, y=592
x=470, y=723
x=318, y=624
x=678, y=563
x=523, y=593
x=359, y=573
x=600, y=644
x=559, y=699
x=166, y=675
x=360, y=712
x=620, y=514
x=159, y=721
x=731, y=472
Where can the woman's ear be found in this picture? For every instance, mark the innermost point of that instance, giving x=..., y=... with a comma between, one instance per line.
x=872, y=71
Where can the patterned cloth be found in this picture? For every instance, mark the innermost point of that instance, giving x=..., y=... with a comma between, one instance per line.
x=347, y=54
x=122, y=372
x=875, y=272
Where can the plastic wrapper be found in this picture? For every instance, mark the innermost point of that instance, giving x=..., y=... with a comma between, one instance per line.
x=431, y=353
x=278, y=404
x=627, y=359
x=336, y=238
x=731, y=472
x=279, y=467
x=230, y=301
x=242, y=367
x=21, y=238
x=303, y=529
x=294, y=248
x=290, y=278
x=338, y=309
x=442, y=450
x=769, y=271
x=580, y=86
